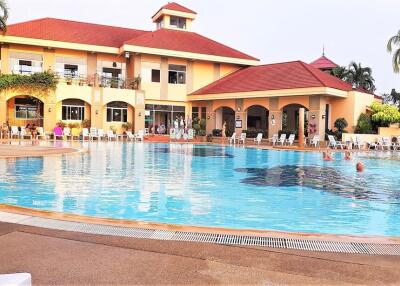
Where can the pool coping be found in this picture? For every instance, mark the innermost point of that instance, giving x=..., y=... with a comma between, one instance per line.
x=371, y=245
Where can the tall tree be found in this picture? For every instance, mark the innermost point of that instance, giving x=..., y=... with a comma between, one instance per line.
x=340, y=72
x=3, y=15
x=360, y=76
x=392, y=98
x=393, y=45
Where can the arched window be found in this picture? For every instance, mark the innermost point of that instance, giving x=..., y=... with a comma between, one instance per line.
x=117, y=111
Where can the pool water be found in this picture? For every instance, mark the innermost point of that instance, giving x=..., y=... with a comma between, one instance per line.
x=215, y=186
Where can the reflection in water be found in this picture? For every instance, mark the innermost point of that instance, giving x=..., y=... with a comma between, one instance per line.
x=197, y=152
x=319, y=178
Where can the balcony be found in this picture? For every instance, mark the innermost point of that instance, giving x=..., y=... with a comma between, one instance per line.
x=99, y=81
x=26, y=70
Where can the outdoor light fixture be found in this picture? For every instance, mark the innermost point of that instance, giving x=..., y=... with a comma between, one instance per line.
x=140, y=114
x=208, y=117
x=323, y=116
x=97, y=111
x=127, y=55
x=50, y=109
x=273, y=117
x=313, y=116
x=238, y=109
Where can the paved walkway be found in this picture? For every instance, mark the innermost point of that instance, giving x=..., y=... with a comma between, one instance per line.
x=65, y=258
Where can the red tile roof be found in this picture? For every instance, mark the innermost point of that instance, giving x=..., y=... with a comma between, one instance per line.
x=177, y=7
x=73, y=32
x=323, y=63
x=274, y=77
x=186, y=42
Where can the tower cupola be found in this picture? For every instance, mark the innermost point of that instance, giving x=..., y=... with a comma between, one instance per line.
x=174, y=16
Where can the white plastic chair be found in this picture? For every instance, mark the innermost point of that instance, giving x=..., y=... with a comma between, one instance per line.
x=274, y=139
x=190, y=134
x=40, y=133
x=14, y=132
x=290, y=141
x=386, y=142
x=282, y=139
x=67, y=133
x=258, y=139
x=315, y=141
x=93, y=134
x=24, y=134
x=333, y=143
x=85, y=134
x=242, y=139
x=111, y=136
x=140, y=135
x=358, y=143
x=232, y=140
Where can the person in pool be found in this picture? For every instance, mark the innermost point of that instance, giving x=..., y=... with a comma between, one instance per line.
x=327, y=155
x=347, y=155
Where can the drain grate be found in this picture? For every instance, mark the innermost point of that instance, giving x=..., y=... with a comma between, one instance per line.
x=225, y=239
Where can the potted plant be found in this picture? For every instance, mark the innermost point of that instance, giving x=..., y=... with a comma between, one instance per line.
x=86, y=123
x=127, y=126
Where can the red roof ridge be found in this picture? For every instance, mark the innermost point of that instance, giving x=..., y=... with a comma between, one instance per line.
x=175, y=7
x=307, y=67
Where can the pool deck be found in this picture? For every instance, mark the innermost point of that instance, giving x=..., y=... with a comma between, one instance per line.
x=14, y=151
x=61, y=258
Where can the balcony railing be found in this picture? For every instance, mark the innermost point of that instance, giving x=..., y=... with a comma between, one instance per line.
x=22, y=69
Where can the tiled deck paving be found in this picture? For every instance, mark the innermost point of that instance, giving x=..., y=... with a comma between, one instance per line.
x=58, y=257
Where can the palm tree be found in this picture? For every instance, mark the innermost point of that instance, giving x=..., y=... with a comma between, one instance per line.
x=3, y=15
x=393, y=42
x=340, y=72
x=392, y=98
x=360, y=77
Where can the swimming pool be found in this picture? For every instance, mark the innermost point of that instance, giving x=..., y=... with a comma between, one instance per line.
x=211, y=185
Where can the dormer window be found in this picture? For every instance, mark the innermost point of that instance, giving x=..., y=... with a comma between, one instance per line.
x=177, y=22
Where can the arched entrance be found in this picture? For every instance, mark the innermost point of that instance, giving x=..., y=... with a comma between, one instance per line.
x=257, y=117
x=225, y=115
x=24, y=110
x=290, y=118
x=117, y=114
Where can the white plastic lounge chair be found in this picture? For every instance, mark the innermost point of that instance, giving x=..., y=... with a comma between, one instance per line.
x=315, y=141
x=386, y=143
x=274, y=139
x=100, y=134
x=67, y=133
x=93, y=134
x=24, y=134
x=111, y=136
x=40, y=133
x=232, y=140
x=172, y=134
x=335, y=144
x=373, y=144
x=14, y=132
x=258, y=139
x=242, y=139
x=358, y=144
x=17, y=279
x=140, y=136
x=85, y=134
x=282, y=139
x=130, y=136
x=290, y=141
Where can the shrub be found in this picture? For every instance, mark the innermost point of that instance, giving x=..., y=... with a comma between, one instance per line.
x=384, y=114
x=217, y=133
x=364, y=124
x=196, y=127
x=253, y=132
x=341, y=124
x=62, y=124
x=43, y=81
x=202, y=133
x=73, y=125
x=86, y=123
x=127, y=126
x=203, y=124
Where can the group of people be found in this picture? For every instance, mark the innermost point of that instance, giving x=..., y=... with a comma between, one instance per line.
x=5, y=130
x=347, y=156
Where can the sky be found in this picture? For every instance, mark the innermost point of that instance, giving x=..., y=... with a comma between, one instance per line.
x=271, y=30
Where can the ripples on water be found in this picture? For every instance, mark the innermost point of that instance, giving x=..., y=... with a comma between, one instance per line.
x=212, y=186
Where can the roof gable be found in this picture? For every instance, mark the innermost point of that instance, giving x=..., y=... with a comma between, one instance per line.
x=177, y=7
x=278, y=76
x=323, y=63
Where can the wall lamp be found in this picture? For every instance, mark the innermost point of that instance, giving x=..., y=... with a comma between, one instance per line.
x=50, y=109
x=97, y=112
x=238, y=109
x=323, y=116
x=140, y=114
x=273, y=117
x=313, y=116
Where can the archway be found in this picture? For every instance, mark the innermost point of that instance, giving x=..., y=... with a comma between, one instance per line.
x=117, y=114
x=290, y=118
x=25, y=109
x=257, y=117
x=225, y=115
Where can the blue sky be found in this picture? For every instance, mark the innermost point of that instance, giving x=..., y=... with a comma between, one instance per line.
x=271, y=30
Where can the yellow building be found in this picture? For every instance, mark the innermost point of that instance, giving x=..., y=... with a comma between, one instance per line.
x=111, y=75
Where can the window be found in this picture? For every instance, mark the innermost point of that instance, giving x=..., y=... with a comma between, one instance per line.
x=195, y=112
x=178, y=22
x=71, y=70
x=26, y=108
x=73, y=110
x=112, y=78
x=204, y=112
x=155, y=75
x=117, y=112
x=177, y=74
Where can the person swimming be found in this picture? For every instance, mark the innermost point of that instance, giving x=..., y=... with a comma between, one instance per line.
x=360, y=167
x=327, y=156
x=347, y=155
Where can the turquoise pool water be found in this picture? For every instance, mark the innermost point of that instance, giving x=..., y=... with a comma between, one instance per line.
x=209, y=185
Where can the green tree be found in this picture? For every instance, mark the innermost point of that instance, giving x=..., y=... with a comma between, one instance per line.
x=359, y=76
x=392, y=98
x=385, y=114
x=3, y=15
x=393, y=45
x=340, y=72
